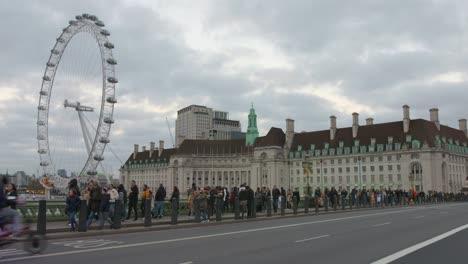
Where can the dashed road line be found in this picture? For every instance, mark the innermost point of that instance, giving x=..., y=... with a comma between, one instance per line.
x=312, y=238
x=387, y=223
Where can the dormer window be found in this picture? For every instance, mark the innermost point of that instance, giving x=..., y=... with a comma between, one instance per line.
x=299, y=148
x=390, y=140
x=312, y=146
x=356, y=143
x=327, y=145
x=408, y=138
x=341, y=144
x=372, y=141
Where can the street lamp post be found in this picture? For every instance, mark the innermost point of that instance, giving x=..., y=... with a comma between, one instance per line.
x=307, y=169
x=321, y=174
x=360, y=176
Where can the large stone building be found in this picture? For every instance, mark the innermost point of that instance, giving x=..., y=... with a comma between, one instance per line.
x=420, y=154
x=201, y=122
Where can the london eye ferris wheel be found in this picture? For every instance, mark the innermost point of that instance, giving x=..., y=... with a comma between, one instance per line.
x=76, y=103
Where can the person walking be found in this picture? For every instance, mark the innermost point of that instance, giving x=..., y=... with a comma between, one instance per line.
x=144, y=196
x=203, y=204
x=123, y=199
x=243, y=198
x=276, y=194
x=159, y=199
x=133, y=200
x=73, y=205
x=12, y=195
x=104, y=206
x=114, y=196
x=95, y=200
x=175, y=195
x=296, y=195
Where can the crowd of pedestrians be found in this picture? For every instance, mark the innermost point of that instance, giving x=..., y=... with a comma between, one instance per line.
x=101, y=200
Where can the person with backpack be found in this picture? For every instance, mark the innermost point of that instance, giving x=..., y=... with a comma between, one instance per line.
x=145, y=196
x=73, y=204
x=104, y=206
x=276, y=194
x=159, y=201
x=95, y=200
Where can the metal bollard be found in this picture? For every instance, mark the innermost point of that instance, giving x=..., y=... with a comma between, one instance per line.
x=316, y=204
x=197, y=210
x=283, y=205
x=351, y=201
x=83, y=219
x=326, y=203
x=148, y=212
x=268, y=207
x=41, y=218
x=306, y=204
x=236, y=208
x=335, y=204
x=343, y=201
x=117, y=214
x=219, y=208
x=174, y=211
x=295, y=205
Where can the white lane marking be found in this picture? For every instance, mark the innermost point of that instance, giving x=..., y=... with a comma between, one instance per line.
x=417, y=217
x=214, y=235
x=444, y=212
x=12, y=252
x=406, y=251
x=307, y=239
x=91, y=243
x=387, y=223
x=189, y=262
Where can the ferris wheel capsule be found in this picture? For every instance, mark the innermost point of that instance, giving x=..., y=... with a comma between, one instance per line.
x=111, y=100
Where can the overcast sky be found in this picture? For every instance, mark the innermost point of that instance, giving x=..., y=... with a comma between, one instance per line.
x=304, y=60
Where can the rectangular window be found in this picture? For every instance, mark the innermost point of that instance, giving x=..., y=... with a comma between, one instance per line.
x=347, y=160
x=332, y=161
x=318, y=179
x=390, y=167
x=340, y=179
x=398, y=156
x=372, y=178
x=318, y=171
x=371, y=159
x=372, y=168
x=381, y=178
x=333, y=179
x=298, y=172
x=390, y=178
x=364, y=168
x=381, y=168
x=340, y=170
x=332, y=170
x=364, y=178
x=389, y=158
x=398, y=167
x=355, y=169
x=356, y=180
x=348, y=169
x=325, y=170
x=348, y=179
x=292, y=179
x=380, y=158
x=399, y=177
x=339, y=161
x=363, y=159
x=325, y=180
x=355, y=160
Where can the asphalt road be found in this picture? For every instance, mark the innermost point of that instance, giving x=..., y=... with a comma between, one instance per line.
x=353, y=237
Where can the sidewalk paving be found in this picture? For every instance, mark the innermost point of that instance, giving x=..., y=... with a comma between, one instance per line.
x=60, y=229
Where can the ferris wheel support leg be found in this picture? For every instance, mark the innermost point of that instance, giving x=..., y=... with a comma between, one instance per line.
x=86, y=135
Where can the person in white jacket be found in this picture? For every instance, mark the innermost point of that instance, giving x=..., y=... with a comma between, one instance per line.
x=114, y=195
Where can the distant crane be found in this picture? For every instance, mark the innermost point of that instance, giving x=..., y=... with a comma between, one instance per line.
x=170, y=133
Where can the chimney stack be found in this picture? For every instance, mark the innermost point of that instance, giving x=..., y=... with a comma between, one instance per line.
x=332, y=127
x=355, y=124
x=406, y=118
x=161, y=147
x=435, y=117
x=151, y=149
x=135, y=151
x=369, y=121
x=289, y=132
x=462, y=124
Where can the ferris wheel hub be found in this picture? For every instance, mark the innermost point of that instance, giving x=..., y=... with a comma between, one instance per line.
x=78, y=106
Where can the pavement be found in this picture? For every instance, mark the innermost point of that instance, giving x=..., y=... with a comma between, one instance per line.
x=366, y=236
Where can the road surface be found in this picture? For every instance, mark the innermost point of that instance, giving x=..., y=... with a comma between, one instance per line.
x=402, y=235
